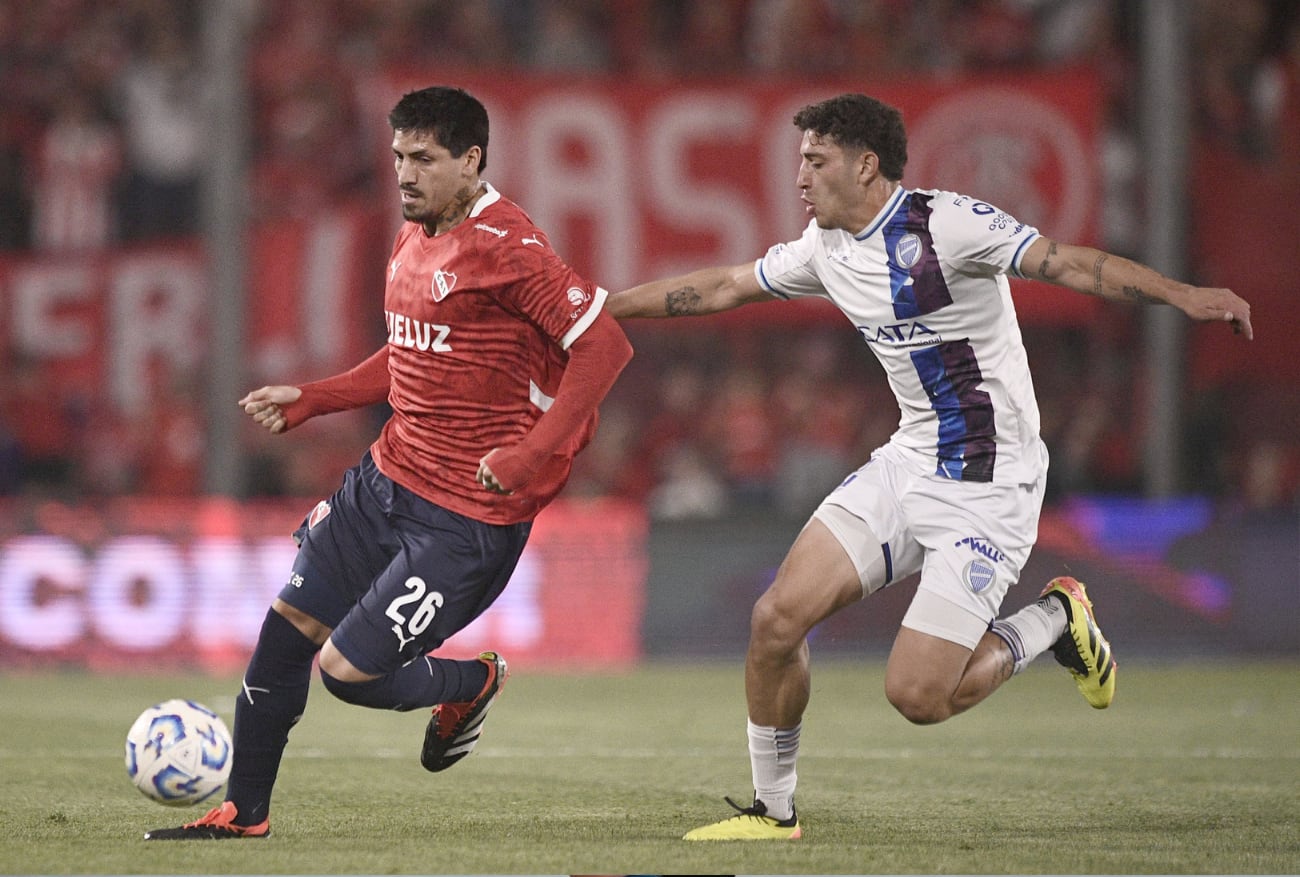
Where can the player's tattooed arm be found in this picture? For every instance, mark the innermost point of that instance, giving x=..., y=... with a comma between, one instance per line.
x=1139, y=295
x=682, y=302
x=1093, y=272
x=1044, y=267
x=705, y=291
x=1129, y=291
x=1115, y=278
x=1096, y=273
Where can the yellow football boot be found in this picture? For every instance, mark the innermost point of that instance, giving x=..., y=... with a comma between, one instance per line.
x=1082, y=649
x=749, y=823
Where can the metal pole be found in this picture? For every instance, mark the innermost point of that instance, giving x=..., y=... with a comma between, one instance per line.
x=225, y=184
x=1165, y=136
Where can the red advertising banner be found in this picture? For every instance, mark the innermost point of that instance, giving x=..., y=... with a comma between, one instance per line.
x=635, y=180
x=315, y=292
x=148, y=584
x=632, y=180
x=122, y=325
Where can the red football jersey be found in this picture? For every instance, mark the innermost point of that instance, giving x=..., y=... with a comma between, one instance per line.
x=479, y=319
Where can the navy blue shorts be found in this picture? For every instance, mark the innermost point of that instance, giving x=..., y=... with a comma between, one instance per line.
x=393, y=574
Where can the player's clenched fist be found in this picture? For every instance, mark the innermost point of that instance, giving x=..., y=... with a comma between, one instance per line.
x=266, y=406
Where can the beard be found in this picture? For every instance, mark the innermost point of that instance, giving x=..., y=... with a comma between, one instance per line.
x=414, y=213
x=422, y=209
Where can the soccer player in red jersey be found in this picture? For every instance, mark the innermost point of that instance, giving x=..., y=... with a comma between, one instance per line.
x=498, y=355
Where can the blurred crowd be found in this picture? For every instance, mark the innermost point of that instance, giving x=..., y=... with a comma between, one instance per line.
x=102, y=144
x=101, y=135
x=102, y=128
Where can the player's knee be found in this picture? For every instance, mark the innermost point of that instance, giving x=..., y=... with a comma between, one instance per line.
x=333, y=665
x=348, y=692
x=919, y=704
x=376, y=692
x=775, y=625
x=344, y=691
x=338, y=667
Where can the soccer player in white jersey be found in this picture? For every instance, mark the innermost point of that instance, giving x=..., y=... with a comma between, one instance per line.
x=956, y=491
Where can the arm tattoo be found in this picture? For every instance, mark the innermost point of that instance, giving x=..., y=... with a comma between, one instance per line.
x=1051, y=251
x=1096, y=274
x=1139, y=295
x=682, y=302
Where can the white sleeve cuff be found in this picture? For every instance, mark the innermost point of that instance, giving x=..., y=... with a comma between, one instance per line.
x=587, y=319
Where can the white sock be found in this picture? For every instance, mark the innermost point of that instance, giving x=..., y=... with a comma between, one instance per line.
x=772, y=754
x=1032, y=630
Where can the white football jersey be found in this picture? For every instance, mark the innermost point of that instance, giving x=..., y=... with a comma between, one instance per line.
x=925, y=284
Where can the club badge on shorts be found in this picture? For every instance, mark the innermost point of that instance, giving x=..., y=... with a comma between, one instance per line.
x=979, y=574
x=318, y=514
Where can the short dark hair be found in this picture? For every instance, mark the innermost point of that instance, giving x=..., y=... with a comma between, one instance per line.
x=453, y=116
x=855, y=121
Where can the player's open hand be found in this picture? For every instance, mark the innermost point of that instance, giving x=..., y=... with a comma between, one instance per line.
x=1223, y=305
x=266, y=406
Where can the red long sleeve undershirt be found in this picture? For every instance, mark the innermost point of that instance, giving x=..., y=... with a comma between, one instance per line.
x=365, y=384
x=596, y=358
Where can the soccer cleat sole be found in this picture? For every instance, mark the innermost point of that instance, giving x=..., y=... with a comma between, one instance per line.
x=205, y=832
x=216, y=824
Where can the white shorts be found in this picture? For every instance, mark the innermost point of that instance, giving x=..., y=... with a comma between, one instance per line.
x=968, y=540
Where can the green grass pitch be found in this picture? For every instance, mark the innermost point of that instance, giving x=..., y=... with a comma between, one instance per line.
x=1194, y=769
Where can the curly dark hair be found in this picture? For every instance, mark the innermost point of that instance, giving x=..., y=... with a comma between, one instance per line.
x=855, y=121
x=453, y=116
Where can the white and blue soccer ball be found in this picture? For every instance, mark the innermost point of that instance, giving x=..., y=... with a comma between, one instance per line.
x=178, y=753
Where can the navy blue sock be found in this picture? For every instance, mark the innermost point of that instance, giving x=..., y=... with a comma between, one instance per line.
x=421, y=683
x=272, y=701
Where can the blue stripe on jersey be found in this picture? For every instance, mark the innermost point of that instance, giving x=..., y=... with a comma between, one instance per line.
x=763, y=281
x=1020, y=251
x=951, y=377
x=767, y=284
x=915, y=278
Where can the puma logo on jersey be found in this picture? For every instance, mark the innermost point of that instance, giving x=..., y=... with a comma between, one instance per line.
x=392, y=269
x=532, y=239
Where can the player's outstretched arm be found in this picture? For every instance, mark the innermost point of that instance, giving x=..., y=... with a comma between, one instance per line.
x=706, y=291
x=281, y=407
x=1094, y=272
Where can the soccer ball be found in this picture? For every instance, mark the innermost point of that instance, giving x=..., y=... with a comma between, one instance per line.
x=178, y=753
